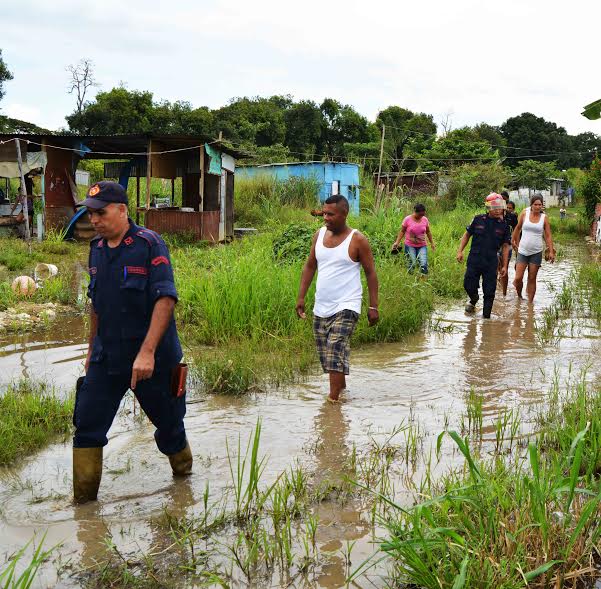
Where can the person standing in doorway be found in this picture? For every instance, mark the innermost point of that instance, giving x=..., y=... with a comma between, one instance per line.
x=532, y=232
x=489, y=233
x=414, y=230
x=133, y=341
x=337, y=255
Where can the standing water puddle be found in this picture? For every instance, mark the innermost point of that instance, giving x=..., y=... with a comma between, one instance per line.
x=424, y=379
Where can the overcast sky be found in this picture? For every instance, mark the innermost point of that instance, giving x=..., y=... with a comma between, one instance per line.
x=475, y=59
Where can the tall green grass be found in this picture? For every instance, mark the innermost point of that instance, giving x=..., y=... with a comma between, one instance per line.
x=31, y=416
x=531, y=520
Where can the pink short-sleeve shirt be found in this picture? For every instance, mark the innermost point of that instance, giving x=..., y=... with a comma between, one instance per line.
x=415, y=231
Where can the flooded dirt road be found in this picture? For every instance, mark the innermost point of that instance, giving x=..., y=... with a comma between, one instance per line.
x=424, y=379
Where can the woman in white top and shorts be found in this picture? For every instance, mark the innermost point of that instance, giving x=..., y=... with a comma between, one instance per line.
x=529, y=237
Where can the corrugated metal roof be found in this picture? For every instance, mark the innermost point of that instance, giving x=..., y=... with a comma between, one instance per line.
x=125, y=144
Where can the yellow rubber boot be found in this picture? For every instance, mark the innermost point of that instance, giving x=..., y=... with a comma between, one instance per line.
x=181, y=463
x=87, y=472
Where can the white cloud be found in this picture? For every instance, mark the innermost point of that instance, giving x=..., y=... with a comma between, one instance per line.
x=22, y=112
x=482, y=60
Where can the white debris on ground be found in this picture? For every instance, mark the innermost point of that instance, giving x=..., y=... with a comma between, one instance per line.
x=28, y=315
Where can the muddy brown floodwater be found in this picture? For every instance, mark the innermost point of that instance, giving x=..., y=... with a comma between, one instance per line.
x=424, y=378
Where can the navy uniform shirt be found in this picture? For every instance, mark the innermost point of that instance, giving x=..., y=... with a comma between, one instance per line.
x=125, y=283
x=488, y=235
x=512, y=220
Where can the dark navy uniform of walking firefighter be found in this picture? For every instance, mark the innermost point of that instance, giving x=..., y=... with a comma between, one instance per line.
x=489, y=233
x=133, y=339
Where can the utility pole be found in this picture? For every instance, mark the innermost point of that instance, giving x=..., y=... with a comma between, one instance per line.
x=380, y=166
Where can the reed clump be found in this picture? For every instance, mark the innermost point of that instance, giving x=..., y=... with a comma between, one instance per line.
x=32, y=415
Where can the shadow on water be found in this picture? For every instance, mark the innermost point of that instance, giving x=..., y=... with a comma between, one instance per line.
x=425, y=378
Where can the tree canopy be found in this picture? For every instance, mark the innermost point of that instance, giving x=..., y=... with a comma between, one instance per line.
x=5, y=75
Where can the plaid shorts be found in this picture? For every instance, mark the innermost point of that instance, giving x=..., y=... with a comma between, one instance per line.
x=333, y=339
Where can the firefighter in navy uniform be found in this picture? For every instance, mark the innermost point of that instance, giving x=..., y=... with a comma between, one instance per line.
x=489, y=233
x=133, y=339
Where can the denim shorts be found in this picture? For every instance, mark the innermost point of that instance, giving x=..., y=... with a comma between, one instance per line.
x=536, y=259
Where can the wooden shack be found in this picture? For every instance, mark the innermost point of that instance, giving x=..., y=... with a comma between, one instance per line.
x=205, y=166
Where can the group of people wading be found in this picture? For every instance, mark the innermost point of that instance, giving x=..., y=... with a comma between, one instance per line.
x=133, y=341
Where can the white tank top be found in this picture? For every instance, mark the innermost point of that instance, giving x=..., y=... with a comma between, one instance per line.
x=531, y=241
x=338, y=278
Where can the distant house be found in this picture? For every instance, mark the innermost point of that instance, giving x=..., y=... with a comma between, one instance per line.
x=552, y=196
x=332, y=177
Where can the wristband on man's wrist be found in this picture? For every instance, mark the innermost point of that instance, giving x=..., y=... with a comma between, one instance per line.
x=373, y=308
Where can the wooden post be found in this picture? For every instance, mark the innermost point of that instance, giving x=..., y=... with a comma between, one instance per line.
x=148, y=175
x=138, y=192
x=380, y=166
x=202, y=179
x=172, y=192
x=23, y=191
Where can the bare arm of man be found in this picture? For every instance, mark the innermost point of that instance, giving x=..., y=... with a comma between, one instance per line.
x=549, y=239
x=366, y=258
x=517, y=232
x=144, y=363
x=91, y=336
x=309, y=270
x=462, y=245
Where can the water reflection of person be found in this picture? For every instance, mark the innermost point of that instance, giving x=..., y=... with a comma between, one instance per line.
x=338, y=523
x=93, y=529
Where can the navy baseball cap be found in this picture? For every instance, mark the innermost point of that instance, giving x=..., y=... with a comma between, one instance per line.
x=104, y=193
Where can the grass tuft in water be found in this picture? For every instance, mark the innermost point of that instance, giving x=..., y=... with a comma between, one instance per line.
x=32, y=415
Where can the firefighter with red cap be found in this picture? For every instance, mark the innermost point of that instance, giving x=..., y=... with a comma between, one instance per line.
x=133, y=339
x=489, y=233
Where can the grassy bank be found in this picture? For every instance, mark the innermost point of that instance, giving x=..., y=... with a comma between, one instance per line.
x=32, y=416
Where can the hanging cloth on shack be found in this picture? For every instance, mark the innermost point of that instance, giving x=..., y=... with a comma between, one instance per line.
x=35, y=160
x=214, y=160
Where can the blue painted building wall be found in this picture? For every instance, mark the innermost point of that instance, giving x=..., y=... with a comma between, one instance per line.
x=326, y=173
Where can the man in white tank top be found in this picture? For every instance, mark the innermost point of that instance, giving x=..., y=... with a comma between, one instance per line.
x=337, y=254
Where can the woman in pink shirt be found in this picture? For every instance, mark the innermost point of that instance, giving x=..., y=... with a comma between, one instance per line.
x=415, y=229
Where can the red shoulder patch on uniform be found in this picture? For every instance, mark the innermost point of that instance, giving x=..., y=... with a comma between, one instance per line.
x=159, y=260
x=101, y=243
x=128, y=240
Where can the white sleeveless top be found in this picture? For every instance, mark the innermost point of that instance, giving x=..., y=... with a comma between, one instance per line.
x=338, y=278
x=531, y=241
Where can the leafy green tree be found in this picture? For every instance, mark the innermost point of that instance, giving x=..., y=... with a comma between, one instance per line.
x=457, y=147
x=342, y=124
x=8, y=125
x=586, y=145
x=529, y=136
x=589, y=188
x=252, y=121
x=407, y=133
x=5, y=75
x=490, y=134
x=470, y=183
x=534, y=174
x=367, y=155
x=116, y=111
x=304, y=128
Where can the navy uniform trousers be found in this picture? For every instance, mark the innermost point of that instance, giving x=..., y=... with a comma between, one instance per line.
x=125, y=283
x=486, y=270
x=100, y=395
